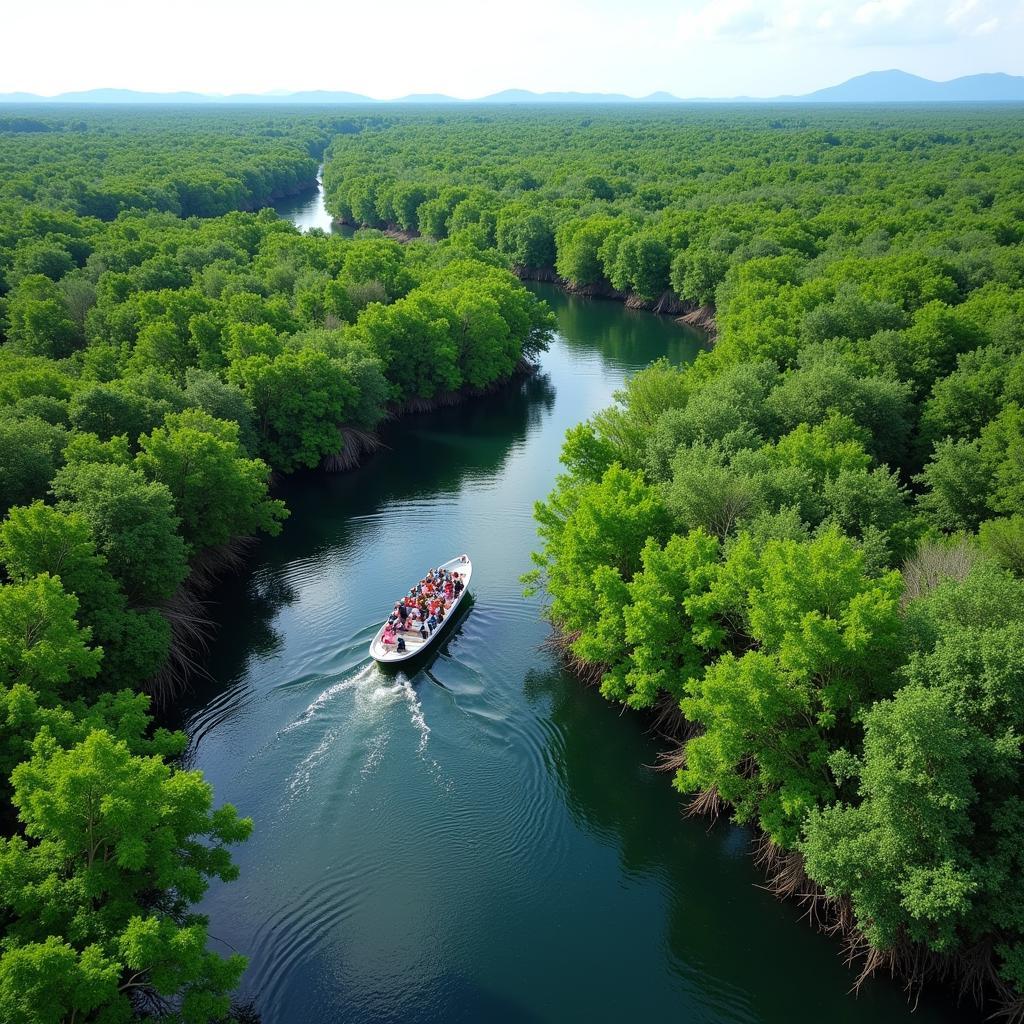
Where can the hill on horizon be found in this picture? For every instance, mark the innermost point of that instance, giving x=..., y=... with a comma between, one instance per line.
x=892, y=86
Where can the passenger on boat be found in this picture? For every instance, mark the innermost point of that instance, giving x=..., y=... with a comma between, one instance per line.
x=423, y=609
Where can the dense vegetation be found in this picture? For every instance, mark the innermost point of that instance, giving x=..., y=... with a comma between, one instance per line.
x=806, y=550
x=97, y=164
x=155, y=369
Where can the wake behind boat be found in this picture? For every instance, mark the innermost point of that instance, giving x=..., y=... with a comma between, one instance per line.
x=421, y=616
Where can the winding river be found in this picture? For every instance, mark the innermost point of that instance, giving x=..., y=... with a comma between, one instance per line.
x=484, y=840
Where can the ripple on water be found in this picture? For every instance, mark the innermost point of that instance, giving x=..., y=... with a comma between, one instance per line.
x=305, y=921
x=224, y=706
x=511, y=761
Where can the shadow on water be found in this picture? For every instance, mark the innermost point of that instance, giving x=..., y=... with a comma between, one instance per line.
x=714, y=939
x=616, y=332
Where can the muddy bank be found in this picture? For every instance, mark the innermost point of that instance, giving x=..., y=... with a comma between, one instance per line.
x=667, y=304
x=703, y=318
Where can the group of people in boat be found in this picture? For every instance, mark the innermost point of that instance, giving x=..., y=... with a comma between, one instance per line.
x=423, y=609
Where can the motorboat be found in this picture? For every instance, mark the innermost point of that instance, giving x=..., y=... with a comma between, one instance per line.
x=414, y=642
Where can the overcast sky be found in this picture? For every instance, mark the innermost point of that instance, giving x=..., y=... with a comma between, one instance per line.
x=387, y=48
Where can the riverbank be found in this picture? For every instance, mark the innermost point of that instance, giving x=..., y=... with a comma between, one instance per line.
x=690, y=314
x=958, y=979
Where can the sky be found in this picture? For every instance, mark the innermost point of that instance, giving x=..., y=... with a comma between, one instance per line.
x=468, y=48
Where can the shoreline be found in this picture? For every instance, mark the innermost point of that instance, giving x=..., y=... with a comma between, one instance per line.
x=683, y=311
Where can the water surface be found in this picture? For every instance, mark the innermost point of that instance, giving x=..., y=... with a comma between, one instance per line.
x=483, y=840
x=307, y=210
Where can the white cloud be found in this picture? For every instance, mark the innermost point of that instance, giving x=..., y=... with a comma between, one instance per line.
x=986, y=27
x=849, y=22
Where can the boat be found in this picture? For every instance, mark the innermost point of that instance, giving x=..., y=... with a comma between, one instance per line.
x=414, y=643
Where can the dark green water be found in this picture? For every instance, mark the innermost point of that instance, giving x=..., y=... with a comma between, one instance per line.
x=482, y=841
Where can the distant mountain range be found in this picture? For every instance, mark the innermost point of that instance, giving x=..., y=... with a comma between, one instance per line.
x=899, y=87
x=874, y=87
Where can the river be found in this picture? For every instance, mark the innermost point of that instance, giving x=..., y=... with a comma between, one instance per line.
x=484, y=840
x=307, y=210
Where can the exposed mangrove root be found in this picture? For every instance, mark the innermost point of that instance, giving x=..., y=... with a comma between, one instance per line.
x=702, y=318
x=442, y=400
x=668, y=720
x=561, y=643
x=191, y=626
x=1010, y=1009
x=525, y=368
x=525, y=273
x=707, y=803
x=355, y=445
x=212, y=563
x=191, y=631
x=970, y=973
x=671, y=760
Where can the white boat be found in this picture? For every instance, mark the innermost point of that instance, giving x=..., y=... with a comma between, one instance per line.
x=414, y=643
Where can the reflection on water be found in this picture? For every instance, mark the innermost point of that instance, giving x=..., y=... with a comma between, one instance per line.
x=480, y=840
x=307, y=210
